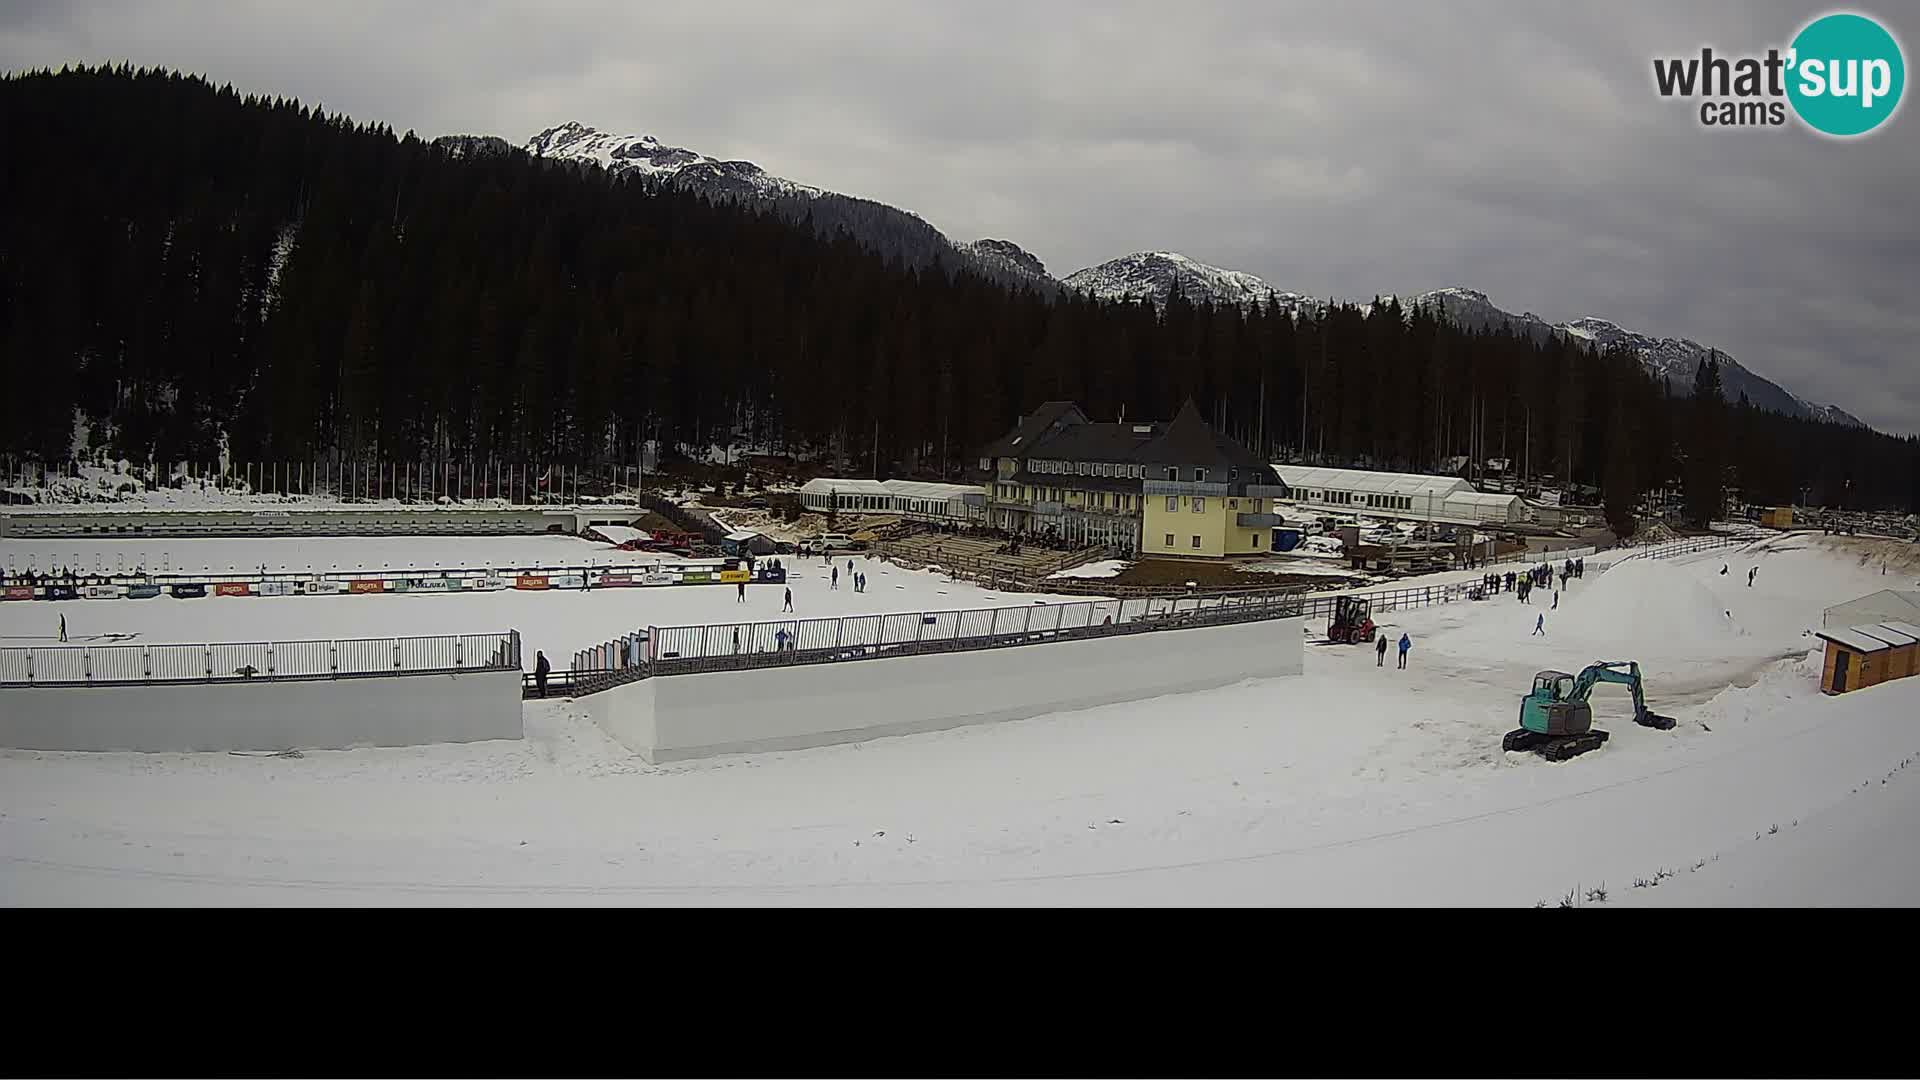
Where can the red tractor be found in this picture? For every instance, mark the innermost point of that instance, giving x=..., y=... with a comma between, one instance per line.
x=1352, y=623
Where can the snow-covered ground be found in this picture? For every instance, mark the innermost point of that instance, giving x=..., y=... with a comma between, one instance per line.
x=558, y=622
x=314, y=554
x=1351, y=784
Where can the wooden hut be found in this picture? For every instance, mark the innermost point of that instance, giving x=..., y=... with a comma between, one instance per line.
x=1868, y=655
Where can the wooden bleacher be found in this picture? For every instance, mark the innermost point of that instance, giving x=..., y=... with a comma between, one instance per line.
x=983, y=558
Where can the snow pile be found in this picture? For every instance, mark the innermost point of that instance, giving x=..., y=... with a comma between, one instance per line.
x=619, y=534
x=1103, y=569
x=1646, y=600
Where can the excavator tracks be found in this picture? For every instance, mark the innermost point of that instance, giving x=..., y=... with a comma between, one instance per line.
x=1552, y=747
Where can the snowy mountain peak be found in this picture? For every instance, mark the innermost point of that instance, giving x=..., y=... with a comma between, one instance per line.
x=1460, y=291
x=645, y=155
x=1153, y=275
x=1007, y=255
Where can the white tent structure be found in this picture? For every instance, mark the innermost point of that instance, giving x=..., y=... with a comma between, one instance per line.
x=1409, y=496
x=1887, y=605
x=909, y=498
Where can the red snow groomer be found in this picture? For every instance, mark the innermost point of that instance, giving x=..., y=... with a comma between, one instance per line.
x=1352, y=621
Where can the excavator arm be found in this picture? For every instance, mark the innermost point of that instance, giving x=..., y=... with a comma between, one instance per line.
x=1625, y=673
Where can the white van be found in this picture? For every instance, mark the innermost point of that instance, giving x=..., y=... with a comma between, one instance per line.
x=834, y=542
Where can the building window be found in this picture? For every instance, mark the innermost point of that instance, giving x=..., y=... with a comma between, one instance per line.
x=1173, y=472
x=1173, y=504
x=1256, y=541
x=1169, y=542
x=1200, y=476
x=1196, y=541
x=1199, y=505
x=1233, y=504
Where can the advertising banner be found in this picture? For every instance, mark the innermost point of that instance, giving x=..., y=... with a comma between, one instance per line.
x=142, y=592
x=367, y=586
x=19, y=592
x=322, y=586
x=188, y=592
x=658, y=578
x=695, y=577
x=62, y=592
x=569, y=581
x=232, y=588
x=432, y=584
x=101, y=592
x=277, y=588
x=487, y=584
x=530, y=581
x=734, y=577
x=613, y=581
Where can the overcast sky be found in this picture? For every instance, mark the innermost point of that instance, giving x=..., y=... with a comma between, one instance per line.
x=1335, y=149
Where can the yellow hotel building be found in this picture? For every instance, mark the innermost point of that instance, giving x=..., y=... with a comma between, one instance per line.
x=1172, y=488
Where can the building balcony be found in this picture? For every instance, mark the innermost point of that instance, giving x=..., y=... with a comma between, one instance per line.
x=1260, y=521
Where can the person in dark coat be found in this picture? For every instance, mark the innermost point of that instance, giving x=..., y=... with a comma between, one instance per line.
x=836, y=579
x=741, y=597
x=540, y=669
x=1380, y=651
x=1406, y=643
x=63, y=627
x=789, y=603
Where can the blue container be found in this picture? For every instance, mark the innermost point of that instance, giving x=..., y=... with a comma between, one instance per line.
x=1286, y=539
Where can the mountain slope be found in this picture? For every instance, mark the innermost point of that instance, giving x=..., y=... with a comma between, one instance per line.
x=1149, y=275
x=887, y=230
x=1152, y=275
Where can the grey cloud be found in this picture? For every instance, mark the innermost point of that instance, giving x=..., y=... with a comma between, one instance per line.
x=1333, y=149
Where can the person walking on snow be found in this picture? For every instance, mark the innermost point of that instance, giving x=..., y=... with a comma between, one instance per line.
x=1556, y=602
x=540, y=669
x=1405, y=644
x=1539, y=625
x=1751, y=570
x=63, y=627
x=789, y=604
x=742, y=597
x=1380, y=651
x=836, y=579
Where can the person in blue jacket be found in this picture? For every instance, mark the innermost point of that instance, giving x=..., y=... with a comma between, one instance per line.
x=1405, y=644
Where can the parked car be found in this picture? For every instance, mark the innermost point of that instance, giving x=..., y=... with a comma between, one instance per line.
x=834, y=542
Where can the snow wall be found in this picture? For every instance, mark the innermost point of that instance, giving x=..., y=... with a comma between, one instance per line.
x=672, y=718
x=283, y=714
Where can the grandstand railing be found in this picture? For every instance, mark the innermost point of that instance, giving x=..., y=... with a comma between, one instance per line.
x=346, y=658
x=685, y=650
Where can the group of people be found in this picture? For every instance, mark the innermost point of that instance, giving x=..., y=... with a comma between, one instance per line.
x=1752, y=570
x=857, y=578
x=1522, y=583
x=1380, y=650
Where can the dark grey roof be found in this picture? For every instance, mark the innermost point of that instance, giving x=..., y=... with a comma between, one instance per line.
x=1059, y=431
x=1034, y=428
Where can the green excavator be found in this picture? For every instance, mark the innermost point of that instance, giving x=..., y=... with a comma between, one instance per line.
x=1557, y=723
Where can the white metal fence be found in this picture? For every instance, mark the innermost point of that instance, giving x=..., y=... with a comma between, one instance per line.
x=237, y=661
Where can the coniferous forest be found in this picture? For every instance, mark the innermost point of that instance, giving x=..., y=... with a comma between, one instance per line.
x=181, y=264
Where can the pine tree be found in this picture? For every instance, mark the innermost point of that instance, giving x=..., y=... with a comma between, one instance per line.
x=1705, y=487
